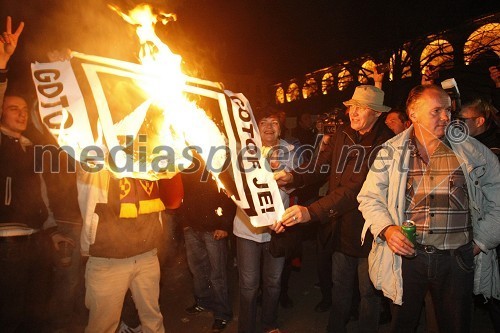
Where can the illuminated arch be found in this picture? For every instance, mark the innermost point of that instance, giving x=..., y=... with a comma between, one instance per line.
x=327, y=83
x=367, y=68
x=345, y=78
x=310, y=88
x=438, y=53
x=293, y=92
x=280, y=96
x=405, y=63
x=485, y=38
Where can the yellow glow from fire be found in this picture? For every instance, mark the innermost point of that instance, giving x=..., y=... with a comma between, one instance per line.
x=183, y=122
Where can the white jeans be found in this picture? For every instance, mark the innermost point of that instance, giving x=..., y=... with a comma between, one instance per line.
x=107, y=281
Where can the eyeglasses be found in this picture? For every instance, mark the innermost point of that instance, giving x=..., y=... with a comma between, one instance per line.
x=464, y=118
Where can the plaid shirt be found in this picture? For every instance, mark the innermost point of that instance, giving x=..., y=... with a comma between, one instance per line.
x=437, y=198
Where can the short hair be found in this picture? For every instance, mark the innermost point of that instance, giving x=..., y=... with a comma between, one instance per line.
x=15, y=94
x=301, y=115
x=416, y=94
x=270, y=112
x=401, y=115
x=484, y=109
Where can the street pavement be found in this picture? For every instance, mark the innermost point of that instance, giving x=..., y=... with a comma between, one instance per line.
x=176, y=295
x=301, y=318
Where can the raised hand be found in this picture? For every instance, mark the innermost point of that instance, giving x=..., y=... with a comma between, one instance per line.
x=8, y=42
x=495, y=75
x=59, y=55
x=431, y=73
x=377, y=77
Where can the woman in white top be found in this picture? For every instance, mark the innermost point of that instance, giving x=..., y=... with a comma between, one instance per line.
x=253, y=242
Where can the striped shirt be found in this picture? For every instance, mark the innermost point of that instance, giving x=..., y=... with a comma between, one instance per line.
x=437, y=198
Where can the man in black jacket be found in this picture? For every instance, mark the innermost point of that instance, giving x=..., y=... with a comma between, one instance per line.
x=482, y=123
x=23, y=216
x=481, y=120
x=347, y=158
x=206, y=216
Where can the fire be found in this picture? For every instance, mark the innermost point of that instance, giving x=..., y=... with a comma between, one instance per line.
x=183, y=123
x=141, y=117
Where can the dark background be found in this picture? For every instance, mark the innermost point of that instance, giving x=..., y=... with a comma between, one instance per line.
x=278, y=37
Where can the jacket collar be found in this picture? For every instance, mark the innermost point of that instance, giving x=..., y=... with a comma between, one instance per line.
x=466, y=149
x=366, y=139
x=24, y=141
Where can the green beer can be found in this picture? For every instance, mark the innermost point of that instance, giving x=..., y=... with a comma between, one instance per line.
x=409, y=229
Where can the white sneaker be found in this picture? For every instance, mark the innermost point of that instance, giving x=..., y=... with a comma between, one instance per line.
x=124, y=328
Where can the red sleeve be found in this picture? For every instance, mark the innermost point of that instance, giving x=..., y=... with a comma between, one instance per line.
x=171, y=191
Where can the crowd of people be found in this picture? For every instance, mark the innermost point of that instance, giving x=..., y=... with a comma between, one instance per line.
x=434, y=163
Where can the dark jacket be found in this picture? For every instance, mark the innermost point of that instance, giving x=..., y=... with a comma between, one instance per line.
x=117, y=237
x=491, y=139
x=348, y=157
x=201, y=202
x=20, y=187
x=59, y=174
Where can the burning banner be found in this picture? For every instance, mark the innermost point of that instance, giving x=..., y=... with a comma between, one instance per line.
x=147, y=120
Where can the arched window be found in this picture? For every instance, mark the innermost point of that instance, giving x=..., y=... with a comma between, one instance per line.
x=366, y=70
x=280, y=96
x=327, y=83
x=405, y=64
x=310, y=88
x=292, y=93
x=345, y=78
x=438, y=53
x=485, y=40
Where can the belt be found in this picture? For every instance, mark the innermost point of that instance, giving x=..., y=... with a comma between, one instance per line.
x=434, y=250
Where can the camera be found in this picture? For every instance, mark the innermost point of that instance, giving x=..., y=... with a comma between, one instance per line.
x=329, y=129
x=329, y=122
x=383, y=68
x=451, y=88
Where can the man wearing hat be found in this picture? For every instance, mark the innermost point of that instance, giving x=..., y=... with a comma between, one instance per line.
x=345, y=161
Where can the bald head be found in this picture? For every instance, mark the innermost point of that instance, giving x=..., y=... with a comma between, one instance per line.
x=417, y=94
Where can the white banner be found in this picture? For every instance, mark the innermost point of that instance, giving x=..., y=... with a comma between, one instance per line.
x=95, y=109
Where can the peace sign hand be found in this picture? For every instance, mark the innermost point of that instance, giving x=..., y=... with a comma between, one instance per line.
x=8, y=42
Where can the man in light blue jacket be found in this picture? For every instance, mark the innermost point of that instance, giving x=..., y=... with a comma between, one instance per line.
x=448, y=184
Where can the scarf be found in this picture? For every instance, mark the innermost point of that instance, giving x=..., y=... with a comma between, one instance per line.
x=139, y=196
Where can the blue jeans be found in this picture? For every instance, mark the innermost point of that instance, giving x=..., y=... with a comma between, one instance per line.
x=250, y=254
x=324, y=262
x=66, y=281
x=450, y=281
x=207, y=260
x=344, y=269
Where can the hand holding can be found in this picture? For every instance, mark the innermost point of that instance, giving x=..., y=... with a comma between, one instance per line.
x=409, y=229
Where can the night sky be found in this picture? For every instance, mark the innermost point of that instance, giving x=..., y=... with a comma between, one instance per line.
x=281, y=38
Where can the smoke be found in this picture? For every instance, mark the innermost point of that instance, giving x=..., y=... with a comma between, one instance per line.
x=86, y=26
x=89, y=26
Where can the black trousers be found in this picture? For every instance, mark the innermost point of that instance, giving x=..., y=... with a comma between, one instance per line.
x=24, y=278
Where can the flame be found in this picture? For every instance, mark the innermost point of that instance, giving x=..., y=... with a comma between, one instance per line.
x=64, y=138
x=163, y=81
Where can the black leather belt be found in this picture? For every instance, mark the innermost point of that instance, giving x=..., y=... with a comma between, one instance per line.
x=434, y=250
